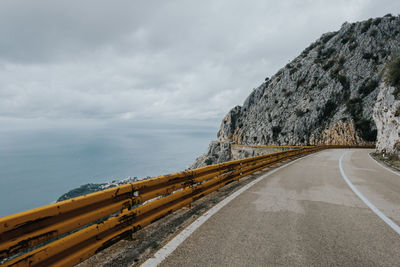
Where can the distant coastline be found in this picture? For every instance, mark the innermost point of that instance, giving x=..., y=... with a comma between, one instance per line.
x=93, y=187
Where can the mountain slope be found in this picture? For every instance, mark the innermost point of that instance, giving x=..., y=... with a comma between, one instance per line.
x=324, y=96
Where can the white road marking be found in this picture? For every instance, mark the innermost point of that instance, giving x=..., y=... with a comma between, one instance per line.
x=388, y=221
x=380, y=164
x=165, y=251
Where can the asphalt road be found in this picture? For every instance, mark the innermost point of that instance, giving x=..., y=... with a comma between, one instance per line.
x=304, y=214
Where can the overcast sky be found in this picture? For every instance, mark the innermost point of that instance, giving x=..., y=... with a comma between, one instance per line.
x=166, y=61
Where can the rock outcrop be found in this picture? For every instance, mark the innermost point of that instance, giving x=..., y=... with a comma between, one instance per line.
x=387, y=119
x=217, y=152
x=342, y=132
x=325, y=95
x=224, y=151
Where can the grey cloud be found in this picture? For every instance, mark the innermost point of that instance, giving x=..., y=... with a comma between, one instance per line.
x=154, y=60
x=45, y=30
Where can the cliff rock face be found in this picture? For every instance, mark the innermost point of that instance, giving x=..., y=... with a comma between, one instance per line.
x=387, y=119
x=217, y=152
x=342, y=132
x=325, y=95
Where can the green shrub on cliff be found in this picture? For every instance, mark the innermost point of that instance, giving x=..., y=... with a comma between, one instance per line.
x=367, y=87
x=208, y=161
x=393, y=75
x=397, y=113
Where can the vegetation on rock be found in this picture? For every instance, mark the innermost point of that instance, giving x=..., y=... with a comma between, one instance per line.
x=329, y=90
x=393, y=75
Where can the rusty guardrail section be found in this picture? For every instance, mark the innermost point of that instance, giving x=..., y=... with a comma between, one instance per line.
x=68, y=232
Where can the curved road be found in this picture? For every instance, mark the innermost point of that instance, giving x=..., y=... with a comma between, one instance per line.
x=301, y=215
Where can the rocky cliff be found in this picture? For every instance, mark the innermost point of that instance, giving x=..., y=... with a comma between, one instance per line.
x=387, y=118
x=325, y=95
x=387, y=111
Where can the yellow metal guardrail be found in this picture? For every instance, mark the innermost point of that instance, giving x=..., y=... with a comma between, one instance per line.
x=68, y=232
x=264, y=146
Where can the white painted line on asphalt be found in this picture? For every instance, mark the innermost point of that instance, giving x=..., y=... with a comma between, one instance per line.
x=388, y=221
x=165, y=251
x=380, y=164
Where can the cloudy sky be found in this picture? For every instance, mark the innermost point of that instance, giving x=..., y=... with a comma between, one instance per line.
x=158, y=61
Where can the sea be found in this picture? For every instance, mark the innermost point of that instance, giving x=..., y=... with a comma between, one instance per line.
x=37, y=166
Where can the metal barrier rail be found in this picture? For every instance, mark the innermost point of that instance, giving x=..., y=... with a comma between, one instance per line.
x=302, y=147
x=264, y=146
x=68, y=232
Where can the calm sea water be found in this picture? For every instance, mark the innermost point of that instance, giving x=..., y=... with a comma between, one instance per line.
x=36, y=167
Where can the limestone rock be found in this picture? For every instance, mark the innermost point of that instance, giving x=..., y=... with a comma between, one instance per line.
x=387, y=119
x=325, y=95
x=339, y=133
x=217, y=152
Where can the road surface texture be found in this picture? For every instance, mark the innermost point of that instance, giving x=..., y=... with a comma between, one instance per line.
x=304, y=214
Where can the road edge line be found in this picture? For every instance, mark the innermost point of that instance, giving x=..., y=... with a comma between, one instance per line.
x=170, y=247
x=380, y=164
x=380, y=214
